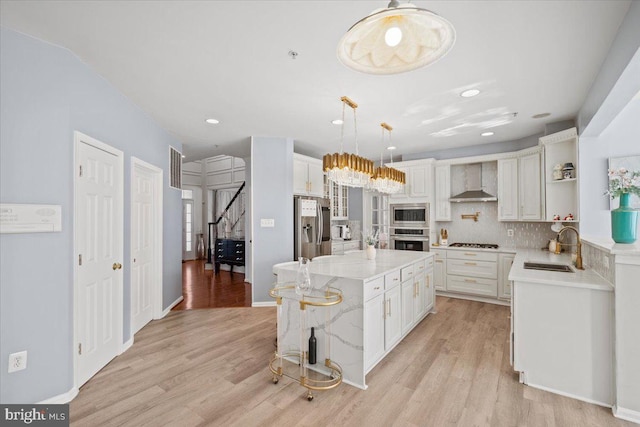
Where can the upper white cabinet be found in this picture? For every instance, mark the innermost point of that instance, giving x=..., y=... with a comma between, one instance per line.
x=442, y=193
x=308, y=178
x=339, y=196
x=530, y=189
x=520, y=188
x=508, y=189
x=418, y=178
x=561, y=184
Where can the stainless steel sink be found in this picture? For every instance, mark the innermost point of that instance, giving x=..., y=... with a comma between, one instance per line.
x=547, y=267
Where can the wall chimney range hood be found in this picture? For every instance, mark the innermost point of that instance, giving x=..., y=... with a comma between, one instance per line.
x=474, y=191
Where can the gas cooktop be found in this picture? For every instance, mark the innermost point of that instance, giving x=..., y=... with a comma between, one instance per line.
x=474, y=245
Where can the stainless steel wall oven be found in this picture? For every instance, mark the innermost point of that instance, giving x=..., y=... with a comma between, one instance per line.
x=410, y=215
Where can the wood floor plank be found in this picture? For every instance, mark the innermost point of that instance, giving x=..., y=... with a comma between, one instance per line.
x=209, y=368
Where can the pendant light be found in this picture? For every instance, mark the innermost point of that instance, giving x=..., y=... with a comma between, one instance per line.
x=344, y=168
x=400, y=38
x=387, y=179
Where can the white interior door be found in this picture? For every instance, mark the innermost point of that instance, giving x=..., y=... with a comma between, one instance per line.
x=145, y=211
x=99, y=229
x=188, y=243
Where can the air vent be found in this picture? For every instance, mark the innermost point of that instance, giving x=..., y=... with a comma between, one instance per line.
x=176, y=168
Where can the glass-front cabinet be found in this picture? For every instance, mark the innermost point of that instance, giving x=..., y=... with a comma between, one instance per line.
x=378, y=220
x=339, y=201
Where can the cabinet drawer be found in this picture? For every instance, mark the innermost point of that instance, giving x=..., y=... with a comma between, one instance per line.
x=419, y=267
x=373, y=288
x=484, y=269
x=392, y=279
x=406, y=273
x=473, y=255
x=439, y=254
x=473, y=285
x=349, y=246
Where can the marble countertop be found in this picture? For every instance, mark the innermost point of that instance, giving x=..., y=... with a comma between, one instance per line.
x=585, y=279
x=355, y=265
x=612, y=247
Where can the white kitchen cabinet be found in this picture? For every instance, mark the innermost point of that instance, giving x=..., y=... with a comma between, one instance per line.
x=419, y=301
x=472, y=272
x=530, y=187
x=339, y=196
x=561, y=195
x=430, y=291
x=374, y=312
x=439, y=275
x=442, y=193
x=392, y=317
x=504, y=285
x=418, y=179
x=408, y=290
x=339, y=247
x=308, y=177
x=508, y=202
x=520, y=187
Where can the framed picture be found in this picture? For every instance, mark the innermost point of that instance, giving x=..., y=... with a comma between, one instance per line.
x=631, y=163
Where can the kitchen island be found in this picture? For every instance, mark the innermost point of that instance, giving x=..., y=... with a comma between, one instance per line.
x=382, y=301
x=562, y=328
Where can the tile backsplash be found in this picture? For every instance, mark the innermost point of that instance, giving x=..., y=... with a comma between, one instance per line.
x=489, y=230
x=600, y=261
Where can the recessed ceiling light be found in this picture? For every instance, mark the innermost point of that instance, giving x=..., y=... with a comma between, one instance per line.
x=184, y=157
x=469, y=93
x=541, y=115
x=337, y=122
x=212, y=121
x=391, y=147
x=486, y=133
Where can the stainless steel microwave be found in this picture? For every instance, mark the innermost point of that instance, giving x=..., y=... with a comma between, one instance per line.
x=410, y=215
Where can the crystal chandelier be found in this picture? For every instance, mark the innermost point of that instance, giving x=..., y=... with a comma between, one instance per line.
x=386, y=179
x=344, y=168
x=400, y=38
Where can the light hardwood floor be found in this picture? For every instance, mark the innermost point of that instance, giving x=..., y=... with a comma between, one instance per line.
x=209, y=367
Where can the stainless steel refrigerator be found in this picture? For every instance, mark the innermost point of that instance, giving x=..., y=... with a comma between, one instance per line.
x=312, y=227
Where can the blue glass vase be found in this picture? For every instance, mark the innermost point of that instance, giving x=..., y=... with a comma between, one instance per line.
x=624, y=222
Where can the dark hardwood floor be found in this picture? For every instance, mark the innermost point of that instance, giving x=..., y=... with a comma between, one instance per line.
x=203, y=289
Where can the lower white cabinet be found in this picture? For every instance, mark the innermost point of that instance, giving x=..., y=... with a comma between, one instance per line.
x=504, y=284
x=392, y=317
x=374, y=337
x=408, y=294
x=472, y=272
x=393, y=306
x=439, y=270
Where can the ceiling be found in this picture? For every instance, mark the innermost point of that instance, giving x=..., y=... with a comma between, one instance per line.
x=185, y=61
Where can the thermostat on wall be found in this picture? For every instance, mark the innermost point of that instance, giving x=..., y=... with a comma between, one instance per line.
x=30, y=218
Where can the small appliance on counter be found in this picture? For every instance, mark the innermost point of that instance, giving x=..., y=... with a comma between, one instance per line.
x=444, y=237
x=344, y=232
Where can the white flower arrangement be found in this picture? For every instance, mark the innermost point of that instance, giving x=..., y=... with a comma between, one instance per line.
x=371, y=239
x=623, y=181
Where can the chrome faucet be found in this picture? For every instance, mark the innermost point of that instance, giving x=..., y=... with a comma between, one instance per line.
x=578, y=245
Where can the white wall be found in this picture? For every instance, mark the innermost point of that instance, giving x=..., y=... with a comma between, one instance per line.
x=621, y=138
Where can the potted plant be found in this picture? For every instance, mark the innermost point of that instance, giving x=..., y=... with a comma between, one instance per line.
x=623, y=183
x=370, y=240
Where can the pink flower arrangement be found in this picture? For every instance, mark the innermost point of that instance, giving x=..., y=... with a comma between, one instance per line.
x=623, y=181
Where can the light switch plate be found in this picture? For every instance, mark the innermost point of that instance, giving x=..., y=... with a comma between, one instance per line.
x=267, y=222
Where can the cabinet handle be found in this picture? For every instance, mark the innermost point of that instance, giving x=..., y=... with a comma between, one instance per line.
x=470, y=263
x=389, y=300
x=384, y=309
x=376, y=288
x=428, y=281
x=439, y=260
x=470, y=254
x=470, y=281
x=395, y=279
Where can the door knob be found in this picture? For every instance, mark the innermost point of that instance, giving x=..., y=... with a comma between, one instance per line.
x=116, y=266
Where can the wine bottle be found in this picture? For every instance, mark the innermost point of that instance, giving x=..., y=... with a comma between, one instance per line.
x=312, y=348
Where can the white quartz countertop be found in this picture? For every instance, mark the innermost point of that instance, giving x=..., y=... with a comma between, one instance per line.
x=586, y=279
x=355, y=265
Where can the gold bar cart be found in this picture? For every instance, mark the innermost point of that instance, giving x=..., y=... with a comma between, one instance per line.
x=294, y=363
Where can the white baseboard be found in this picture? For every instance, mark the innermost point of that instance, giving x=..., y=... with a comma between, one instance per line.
x=573, y=396
x=473, y=298
x=173, y=304
x=264, y=304
x=626, y=414
x=127, y=345
x=61, y=398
